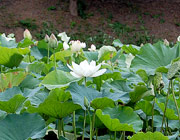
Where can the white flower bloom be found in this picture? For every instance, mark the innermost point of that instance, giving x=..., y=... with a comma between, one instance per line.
x=27, y=34
x=8, y=38
x=64, y=37
x=93, y=48
x=77, y=45
x=84, y=69
x=65, y=46
x=178, y=39
x=166, y=42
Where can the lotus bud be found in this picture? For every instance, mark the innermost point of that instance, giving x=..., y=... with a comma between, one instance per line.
x=141, y=45
x=93, y=48
x=53, y=43
x=46, y=39
x=86, y=103
x=178, y=39
x=166, y=42
x=27, y=34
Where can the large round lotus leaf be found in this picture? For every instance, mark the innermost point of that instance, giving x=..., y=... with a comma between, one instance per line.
x=30, y=82
x=152, y=57
x=11, y=100
x=140, y=91
x=56, y=105
x=101, y=103
x=91, y=55
x=97, y=99
x=10, y=79
x=36, y=67
x=22, y=127
x=12, y=57
x=99, y=81
x=146, y=107
x=149, y=136
x=106, y=53
x=61, y=55
x=120, y=118
x=120, y=87
x=57, y=79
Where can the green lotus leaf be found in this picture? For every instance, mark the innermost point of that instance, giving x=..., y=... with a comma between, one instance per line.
x=56, y=105
x=36, y=67
x=12, y=57
x=25, y=43
x=146, y=107
x=101, y=103
x=115, y=75
x=95, y=98
x=37, y=53
x=57, y=79
x=11, y=100
x=106, y=53
x=117, y=43
x=120, y=118
x=140, y=91
x=29, y=82
x=149, y=136
x=134, y=50
x=10, y=79
x=61, y=55
x=22, y=127
x=154, y=56
x=91, y=55
x=119, y=86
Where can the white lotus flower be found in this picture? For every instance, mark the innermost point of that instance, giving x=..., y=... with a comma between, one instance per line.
x=84, y=69
x=93, y=48
x=76, y=46
x=65, y=46
x=178, y=39
x=166, y=42
x=64, y=37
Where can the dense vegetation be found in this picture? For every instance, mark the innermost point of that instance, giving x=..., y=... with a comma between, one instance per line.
x=53, y=86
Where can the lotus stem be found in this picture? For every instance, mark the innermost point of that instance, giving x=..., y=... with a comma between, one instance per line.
x=54, y=60
x=172, y=88
x=84, y=125
x=63, y=128
x=48, y=55
x=153, y=113
x=93, y=121
x=165, y=106
x=74, y=125
x=96, y=133
x=179, y=86
x=91, y=132
x=29, y=54
x=85, y=81
x=114, y=135
x=59, y=127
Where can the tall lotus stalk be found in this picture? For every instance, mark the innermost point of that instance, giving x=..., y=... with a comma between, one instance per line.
x=46, y=39
x=165, y=106
x=53, y=43
x=172, y=88
x=74, y=125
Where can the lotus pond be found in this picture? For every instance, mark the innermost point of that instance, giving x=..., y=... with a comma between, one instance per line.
x=59, y=89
